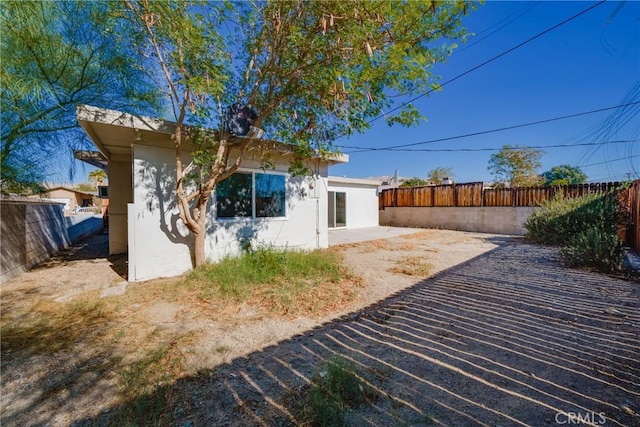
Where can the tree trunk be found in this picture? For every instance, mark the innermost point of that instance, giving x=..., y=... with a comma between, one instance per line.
x=200, y=256
x=199, y=253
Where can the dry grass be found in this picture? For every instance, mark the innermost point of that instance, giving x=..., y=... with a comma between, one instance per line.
x=408, y=246
x=413, y=266
x=368, y=246
x=48, y=327
x=420, y=235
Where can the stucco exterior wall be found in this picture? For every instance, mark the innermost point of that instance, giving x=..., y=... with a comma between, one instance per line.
x=159, y=244
x=120, y=194
x=361, y=203
x=32, y=231
x=498, y=220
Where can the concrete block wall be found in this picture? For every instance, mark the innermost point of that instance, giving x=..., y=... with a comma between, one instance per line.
x=12, y=241
x=497, y=220
x=45, y=232
x=31, y=231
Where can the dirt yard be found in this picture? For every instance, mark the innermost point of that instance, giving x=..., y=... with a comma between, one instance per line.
x=509, y=337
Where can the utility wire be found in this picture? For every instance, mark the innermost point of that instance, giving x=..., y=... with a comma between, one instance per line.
x=500, y=24
x=611, y=161
x=506, y=52
x=484, y=132
x=457, y=150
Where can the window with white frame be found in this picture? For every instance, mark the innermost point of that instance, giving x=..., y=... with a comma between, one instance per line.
x=251, y=194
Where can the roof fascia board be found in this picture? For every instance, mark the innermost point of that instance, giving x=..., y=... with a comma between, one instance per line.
x=87, y=115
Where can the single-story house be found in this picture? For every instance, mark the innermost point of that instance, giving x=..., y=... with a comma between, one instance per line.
x=255, y=206
x=352, y=202
x=71, y=197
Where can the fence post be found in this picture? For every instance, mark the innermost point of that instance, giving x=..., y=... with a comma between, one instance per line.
x=455, y=195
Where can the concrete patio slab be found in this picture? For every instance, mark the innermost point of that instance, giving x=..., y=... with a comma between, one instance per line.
x=342, y=236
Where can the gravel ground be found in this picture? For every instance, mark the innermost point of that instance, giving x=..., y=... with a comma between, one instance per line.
x=498, y=333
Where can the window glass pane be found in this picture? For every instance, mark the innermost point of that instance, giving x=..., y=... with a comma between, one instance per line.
x=270, y=195
x=233, y=196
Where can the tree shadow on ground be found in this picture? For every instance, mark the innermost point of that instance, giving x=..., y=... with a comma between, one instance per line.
x=93, y=247
x=508, y=338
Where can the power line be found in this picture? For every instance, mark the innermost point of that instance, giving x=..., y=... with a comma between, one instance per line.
x=502, y=24
x=457, y=150
x=610, y=161
x=363, y=149
x=506, y=52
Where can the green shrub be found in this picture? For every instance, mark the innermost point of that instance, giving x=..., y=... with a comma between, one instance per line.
x=558, y=220
x=586, y=227
x=594, y=248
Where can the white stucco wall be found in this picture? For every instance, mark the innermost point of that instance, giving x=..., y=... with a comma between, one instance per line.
x=159, y=244
x=362, y=201
x=120, y=194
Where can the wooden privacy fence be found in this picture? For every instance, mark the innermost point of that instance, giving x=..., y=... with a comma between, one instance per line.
x=633, y=232
x=474, y=194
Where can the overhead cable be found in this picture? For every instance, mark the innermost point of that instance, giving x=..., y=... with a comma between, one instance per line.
x=362, y=149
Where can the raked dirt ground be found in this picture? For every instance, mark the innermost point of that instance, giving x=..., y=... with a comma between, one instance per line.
x=451, y=328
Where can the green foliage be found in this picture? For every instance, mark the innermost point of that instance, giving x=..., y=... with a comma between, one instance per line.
x=97, y=177
x=564, y=175
x=54, y=57
x=437, y=175
x=516, y=165
x=85, y=186
x=288, y=274
x=594, y=248
x=559, y=219
x=586, y=227
x=413, y=182
x=333, y=392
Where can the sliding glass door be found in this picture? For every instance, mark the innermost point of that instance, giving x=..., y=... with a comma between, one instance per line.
x=337, y=209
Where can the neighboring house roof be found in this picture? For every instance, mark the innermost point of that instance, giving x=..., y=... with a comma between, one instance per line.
x=54, y=187
x=353, y=181
x=28, y=199
x=113, y=131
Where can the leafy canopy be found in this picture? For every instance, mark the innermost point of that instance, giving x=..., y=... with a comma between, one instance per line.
x=53, y=58
x=516, y=166
x=564, y=175
x=313, y=70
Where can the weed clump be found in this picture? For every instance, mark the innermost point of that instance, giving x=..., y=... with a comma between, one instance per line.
x=333, y=393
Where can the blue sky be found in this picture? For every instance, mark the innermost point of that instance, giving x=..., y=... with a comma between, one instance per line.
x=590, y=63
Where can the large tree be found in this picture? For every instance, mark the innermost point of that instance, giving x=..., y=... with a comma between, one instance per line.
x=54, y=58
x=516, y=166
x=564, y=175
x=313, y=71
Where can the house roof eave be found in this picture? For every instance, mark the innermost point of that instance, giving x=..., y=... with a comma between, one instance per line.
x=114, y=133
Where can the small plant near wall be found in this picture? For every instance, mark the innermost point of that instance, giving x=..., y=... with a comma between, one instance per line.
x=586, y=227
